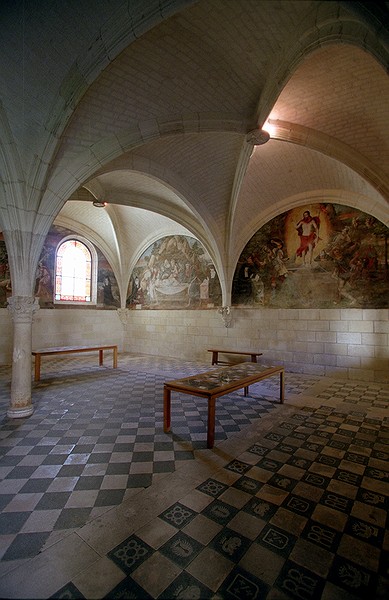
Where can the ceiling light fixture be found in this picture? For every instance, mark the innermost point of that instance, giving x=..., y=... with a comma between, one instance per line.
x=257, y=137
x=99, y=204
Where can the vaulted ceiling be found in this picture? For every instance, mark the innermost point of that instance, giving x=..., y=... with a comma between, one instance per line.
x=157, y=109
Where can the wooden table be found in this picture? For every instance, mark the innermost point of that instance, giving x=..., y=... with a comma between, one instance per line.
x=72, y=350
x=215, y=355
x=216, y=383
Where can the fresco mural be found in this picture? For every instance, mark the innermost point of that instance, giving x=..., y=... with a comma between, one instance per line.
x=174, y=272
x=107, y=288
x=315, y=256
x=5, y=277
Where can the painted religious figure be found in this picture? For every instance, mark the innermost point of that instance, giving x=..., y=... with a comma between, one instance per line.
x=315, y=256
x=107, y=288
x=308, y=231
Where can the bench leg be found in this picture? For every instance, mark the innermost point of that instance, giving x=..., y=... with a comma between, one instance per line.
x=215, y=358
x=166, y=409
x=37, y=374
x=101, y=357
x=246, y=391
x=211, y=423
x=115, y=358
x=254, y=358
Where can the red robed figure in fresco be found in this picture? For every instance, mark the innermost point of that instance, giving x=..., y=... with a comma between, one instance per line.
x=308, y=230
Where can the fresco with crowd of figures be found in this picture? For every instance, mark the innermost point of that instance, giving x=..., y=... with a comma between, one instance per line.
x=319, y=255
x=174, y=272
x=315, y=256
x=107, y=288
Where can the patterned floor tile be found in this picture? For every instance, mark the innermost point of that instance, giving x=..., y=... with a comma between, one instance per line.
x=301, y=513
x=130, y=554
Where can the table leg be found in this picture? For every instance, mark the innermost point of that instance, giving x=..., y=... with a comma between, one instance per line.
x=254, y=358
x=100, y=357
x=211, y=422
x=282, y=387
x=246, y=391
x=37, y=374
x=115, y=357
x=214, y=358
x=166, y=409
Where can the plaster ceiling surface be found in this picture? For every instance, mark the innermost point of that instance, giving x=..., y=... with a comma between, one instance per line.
x=341, y=91
x=129, y=187
x=199, y=168
x=122, y=233
x=155, y=116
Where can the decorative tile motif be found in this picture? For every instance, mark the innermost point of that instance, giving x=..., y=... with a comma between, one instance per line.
x=336, y=502
x=258, y=449
x=347, y=477
x=269, y=465
x=211, y=487
x=274, y=437
x=322, y=535
x=186, y=586
x=260, y=508
x=376, y=474
x=243, y=586
x=373, y=498
x=178, y=515
x=220, y=512
x=230, y=544
x=365, y=531
x=130, y=554
x=181, y=549
x=330, y=461
x=278, y=541
x=247, y=484
x=353, y=578
x=284, y=483
x=238, y=466
x=301, y=463
x=316, y=480
x=300, y=506
x=298, y=582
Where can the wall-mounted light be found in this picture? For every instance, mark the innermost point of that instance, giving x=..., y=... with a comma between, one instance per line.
x=99, y=204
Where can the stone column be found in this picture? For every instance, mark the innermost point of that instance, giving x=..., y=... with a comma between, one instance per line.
x=22, y=309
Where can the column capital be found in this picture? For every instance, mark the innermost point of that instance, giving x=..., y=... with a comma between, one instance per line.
x=226, y=315
x=22, y=308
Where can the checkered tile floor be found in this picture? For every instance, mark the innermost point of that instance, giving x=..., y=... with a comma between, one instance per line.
x=301, y=512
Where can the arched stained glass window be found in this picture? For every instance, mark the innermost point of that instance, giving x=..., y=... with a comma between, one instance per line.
x=73, y=273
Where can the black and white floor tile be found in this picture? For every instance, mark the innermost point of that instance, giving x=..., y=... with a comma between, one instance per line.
x=301, y=510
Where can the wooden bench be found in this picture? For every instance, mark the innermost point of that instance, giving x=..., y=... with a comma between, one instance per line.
x=216, y=361
x=72, y=350
x=216, y=383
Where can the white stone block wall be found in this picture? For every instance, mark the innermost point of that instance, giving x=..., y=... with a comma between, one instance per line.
x=76, y=327
x=346, y=343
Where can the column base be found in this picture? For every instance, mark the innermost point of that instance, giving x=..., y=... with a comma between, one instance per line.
x=20, y=413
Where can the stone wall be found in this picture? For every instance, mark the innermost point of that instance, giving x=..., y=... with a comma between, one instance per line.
x=349, y=343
